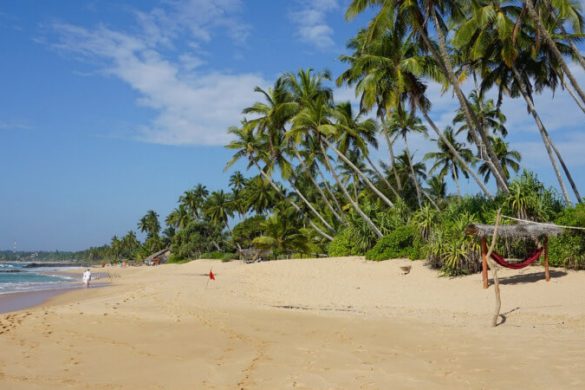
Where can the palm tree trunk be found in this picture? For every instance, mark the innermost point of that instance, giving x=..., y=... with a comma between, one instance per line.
x=576, y=54
x=457, y=186
x=360, y=174
x=325, y=199
x=391, y=152
x=430, y=198
x=310, y=206
x=543, y=133
x=357, y=208
x=566, y=170
x=330, y=191
x=356, y=180
x=482, y=141
x=296, y=207
x=575, y=98
x=553, y=47
x=381, y=176
x=412, y=174
x=456, y=154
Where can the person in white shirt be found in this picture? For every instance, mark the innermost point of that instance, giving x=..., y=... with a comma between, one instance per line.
x=87, y=277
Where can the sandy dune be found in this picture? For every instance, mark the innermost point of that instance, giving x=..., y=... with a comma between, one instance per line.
x=307, y=324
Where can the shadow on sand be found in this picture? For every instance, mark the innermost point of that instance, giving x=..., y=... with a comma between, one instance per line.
x=528, y=278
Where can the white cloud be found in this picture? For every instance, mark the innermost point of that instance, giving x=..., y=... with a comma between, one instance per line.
x=13, y=125
x=192, y=106
x=310, y=20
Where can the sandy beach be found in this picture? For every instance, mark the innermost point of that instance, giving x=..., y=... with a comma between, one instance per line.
x=308, y=324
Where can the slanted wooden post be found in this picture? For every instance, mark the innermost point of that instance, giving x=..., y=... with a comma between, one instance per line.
x=484, y=265
x=546, y=271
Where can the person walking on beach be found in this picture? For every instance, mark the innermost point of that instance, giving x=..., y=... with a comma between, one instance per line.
x=87, y=277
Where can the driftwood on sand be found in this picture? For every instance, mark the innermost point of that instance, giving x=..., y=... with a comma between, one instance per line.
x=494, y=269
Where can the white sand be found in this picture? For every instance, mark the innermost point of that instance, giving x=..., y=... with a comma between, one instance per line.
x=311, y=324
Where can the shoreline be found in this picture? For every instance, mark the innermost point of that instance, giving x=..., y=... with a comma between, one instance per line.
x=20, y=300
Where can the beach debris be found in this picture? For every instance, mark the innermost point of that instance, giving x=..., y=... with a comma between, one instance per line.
x=405, y=269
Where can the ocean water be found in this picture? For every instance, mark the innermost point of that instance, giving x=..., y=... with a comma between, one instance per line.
x=15, y=278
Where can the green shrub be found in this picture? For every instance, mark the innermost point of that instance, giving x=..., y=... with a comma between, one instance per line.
x=342, y=245
x=174, y=259
x=212, y=255
x=568, y=249
x=450, y=249
x=227, y=257
x=402, y=242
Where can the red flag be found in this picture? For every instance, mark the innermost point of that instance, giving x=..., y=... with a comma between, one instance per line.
x=211, y=275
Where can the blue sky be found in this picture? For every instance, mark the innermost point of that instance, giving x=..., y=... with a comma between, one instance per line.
x=111, y=108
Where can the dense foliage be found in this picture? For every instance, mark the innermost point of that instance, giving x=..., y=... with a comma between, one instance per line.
x=315, y=187
x=402, y=242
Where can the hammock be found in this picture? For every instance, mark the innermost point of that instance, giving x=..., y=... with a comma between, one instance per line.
x=524, y=263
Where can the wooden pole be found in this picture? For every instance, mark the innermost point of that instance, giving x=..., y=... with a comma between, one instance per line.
x=484, y=265
x=546, y=271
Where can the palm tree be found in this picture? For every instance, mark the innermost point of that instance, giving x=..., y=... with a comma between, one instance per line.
x=218, y=208
x=258, y=195
x=149, y=224
x=400, y=15
x=387, y=70
x=246, y=145
x=505, y=55
x=316, y=106
x=400, y=125
x=179, y=217
x=437, y=187
x=357, y=135
x=313, y=122
x=237, y=182
x=509, y=159
x=269, y=125
x=194, y=199
x=445, y=161
x=487, y=113
x=535, y=17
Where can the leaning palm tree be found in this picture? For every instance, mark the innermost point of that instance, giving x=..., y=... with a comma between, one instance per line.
x=246, y=145
x=358, y=135
x=504, y=56
x=313, y=122
x=316, y=108
x=446, y=163
x=387, y=70
x=488, y=114
x=535, y=16
x=401, y=15
x=401, y=124
x=510, y=159
x=270, y=118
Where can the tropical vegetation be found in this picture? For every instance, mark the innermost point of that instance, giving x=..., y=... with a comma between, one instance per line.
x=325, y=177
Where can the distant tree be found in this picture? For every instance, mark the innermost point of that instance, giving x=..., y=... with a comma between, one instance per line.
x=149, y=224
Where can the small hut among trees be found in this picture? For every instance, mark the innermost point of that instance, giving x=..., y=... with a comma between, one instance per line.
x=158, y=258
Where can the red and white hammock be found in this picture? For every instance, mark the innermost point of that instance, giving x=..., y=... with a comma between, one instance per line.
x=518, y=265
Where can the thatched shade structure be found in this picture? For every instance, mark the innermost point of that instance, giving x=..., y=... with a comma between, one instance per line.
x=522, y=230
x=536, y=231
